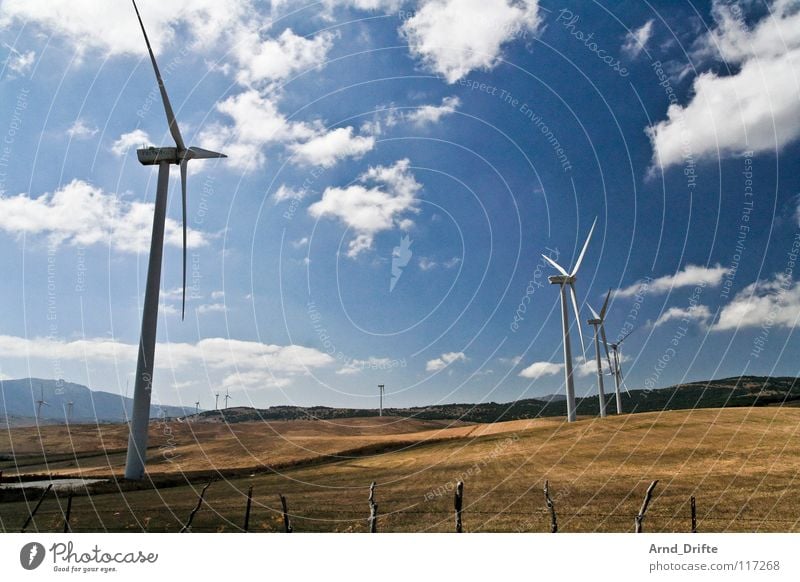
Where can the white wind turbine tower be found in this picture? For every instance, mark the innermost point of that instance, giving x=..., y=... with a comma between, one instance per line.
x=563, y=280
x=163, y=157
x=39, y=403
x=197, y=408
x=597, y=322
x=617, y=370
x=227, y=397
x=70, y=406
x=380, y=390
x=216, y=401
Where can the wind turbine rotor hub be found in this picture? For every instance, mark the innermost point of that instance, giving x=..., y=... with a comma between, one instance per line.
x=561, y=279
x=153, y=156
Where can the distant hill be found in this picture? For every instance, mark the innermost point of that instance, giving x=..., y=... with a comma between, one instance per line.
x=18, y=403
x=728, y=392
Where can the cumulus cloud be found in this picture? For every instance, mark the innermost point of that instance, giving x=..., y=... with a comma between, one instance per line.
x=695, y=313
x=328, y=148
x=773, y=302
x=100, y=26
x=540, y=369
x=133, y=139
x=753, y=109
x=454, y=37
x=84, y=215
x=376, y=204
x=211, y=308
x=262, y=60
x=433, y=113
x=356, y=366
x=80, y=129
x=690, y=275
x=240, y=364
x=444, y=360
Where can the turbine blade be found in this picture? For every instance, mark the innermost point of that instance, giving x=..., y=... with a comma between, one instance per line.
x=558, y=267
x=594, y=313
x=577, y=316
x=624, y=337
x=173, y=124
x=605, y=345
x=184, y=164
x=621, y=379
x=583, y=251
x=605, y=305
x=201, y=154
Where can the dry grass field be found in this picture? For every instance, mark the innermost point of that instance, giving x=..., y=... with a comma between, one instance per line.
x=742, y=465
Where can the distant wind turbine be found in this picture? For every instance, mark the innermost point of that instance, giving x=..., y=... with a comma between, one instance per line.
x=617, y=370
x=70, y=406
x=197, y=408
x=597, y=322
x=216, y=401
x=564, y=280
x=227, y=397
x=39, y=403
x=381, y=388
x=163, y=157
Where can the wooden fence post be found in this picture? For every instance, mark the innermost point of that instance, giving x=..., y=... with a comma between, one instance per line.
x=373, y=510
x=551, y=506
x=640, y=518
x=287, y=526
x=67, y=528
x=247, y=511
x=459, y=502
x=189, y=521
x=694, y=515
x=35, y=509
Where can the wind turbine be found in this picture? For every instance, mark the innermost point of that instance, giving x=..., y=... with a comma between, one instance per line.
x=597, y=322
x=380, y=390
x=227, y=397
x=216, y=401
x=197, y=408
x=563, y=280
x=617, y=369
x=163, y=157
x=70, y=406
x=39, y=403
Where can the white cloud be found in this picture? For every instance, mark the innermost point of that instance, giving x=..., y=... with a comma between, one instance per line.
x=211, y=308
x=698, y=313
x=774, y=302
x=284, y=193
x=18, y=62
x=81, y=130
x=326, y=149
x=510, y=361
x=433, y=113
x=636, y=40
x=218, y=294
x=133, y=139
x=454, y=37
x=540, y=369
x=372, y=363
x=264, y=60
x=113, y=29
x=239, y=364
x=427, y=264
x=84, y=215
x=444, y=360
x=367, y=209
x=753, y=109
x=690, y=275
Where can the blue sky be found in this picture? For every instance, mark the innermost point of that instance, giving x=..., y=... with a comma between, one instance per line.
x=457, y=139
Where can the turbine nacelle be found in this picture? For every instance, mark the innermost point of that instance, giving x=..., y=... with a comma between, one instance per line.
x=153, y=156
x=561, y=279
